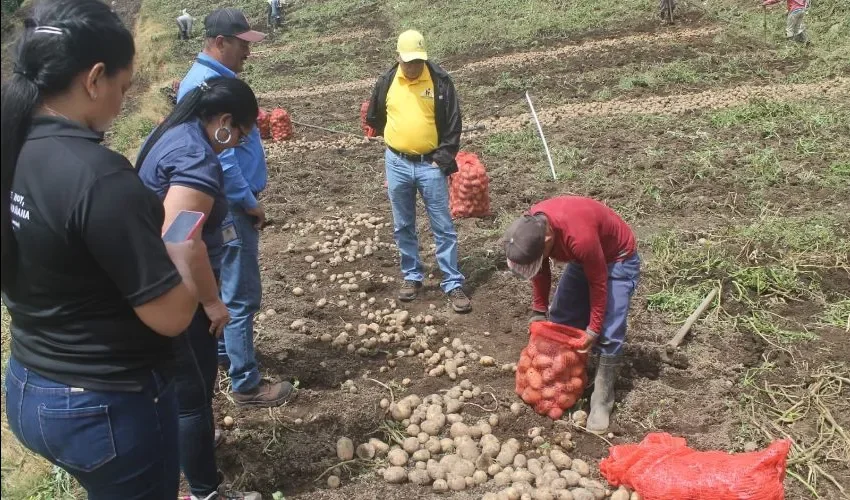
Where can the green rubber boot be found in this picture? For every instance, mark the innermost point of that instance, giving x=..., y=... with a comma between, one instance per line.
x=602, y=399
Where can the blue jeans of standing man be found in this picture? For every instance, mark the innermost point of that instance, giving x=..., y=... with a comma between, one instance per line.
x=197, y=368
x=571, y=304
x=116, y=444
x=241, y=292
x=404, y=179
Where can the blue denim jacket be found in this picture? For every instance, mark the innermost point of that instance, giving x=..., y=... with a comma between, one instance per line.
x=245, y=173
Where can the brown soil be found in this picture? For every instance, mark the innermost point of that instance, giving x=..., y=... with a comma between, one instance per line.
x=698, y=402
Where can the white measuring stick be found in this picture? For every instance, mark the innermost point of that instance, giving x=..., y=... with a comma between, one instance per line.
x=540, y=130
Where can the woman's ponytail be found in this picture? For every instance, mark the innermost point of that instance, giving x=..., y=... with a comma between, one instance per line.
x=62, y=39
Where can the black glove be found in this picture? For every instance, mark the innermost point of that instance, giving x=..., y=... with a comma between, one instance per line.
x=538, y=316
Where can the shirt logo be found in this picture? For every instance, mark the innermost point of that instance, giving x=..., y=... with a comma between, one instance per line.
x=428, y=94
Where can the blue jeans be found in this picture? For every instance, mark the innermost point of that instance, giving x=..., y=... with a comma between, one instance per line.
x=571, y=304
x=241, y=292
x=197, y=368
x=116, y=444
x=404, y=179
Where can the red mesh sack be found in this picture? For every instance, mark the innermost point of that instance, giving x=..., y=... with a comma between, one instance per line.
x=367, y=130
x=281, y=125
x=469, y=187
x=264, y=124
x=662, y=467
x=551, y=374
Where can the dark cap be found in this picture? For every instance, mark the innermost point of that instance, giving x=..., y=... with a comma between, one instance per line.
x=231, y=22
x=525, y=239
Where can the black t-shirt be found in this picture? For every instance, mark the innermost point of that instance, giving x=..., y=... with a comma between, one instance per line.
x=88, y=250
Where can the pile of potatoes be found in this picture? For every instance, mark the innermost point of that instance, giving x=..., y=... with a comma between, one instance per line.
x=341, y=238
x=448, y=454
x=451, y=358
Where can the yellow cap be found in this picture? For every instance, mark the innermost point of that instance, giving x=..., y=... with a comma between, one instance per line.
x=411, y=46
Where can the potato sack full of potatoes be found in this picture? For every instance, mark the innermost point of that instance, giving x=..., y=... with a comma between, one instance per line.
x=551, y=374
x=264, y=124
x=469, y=187
x=281, y=125
x=367, y=130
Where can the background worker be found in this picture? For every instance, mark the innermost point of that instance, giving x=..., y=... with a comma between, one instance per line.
x=795, y=30
x=227, y=46
x=596, y=288
x=415, y=107
x=184, y=25
x=275, y=13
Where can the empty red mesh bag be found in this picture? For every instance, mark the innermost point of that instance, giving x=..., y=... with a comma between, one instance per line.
x=281, y=125
x=264, y=124
x=469, y=187
x=551, y=374
x=367, y=130
x=662, y=467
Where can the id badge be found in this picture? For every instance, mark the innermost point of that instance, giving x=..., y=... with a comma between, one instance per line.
x=228, y=232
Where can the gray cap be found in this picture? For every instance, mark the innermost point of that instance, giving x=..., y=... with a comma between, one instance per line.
x=231, y=22
x=525, y=239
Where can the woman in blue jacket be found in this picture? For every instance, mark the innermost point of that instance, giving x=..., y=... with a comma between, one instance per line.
x=179, y=161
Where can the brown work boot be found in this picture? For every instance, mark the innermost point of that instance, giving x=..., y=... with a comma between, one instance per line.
x=409, y=290
x=460, y=302
x=266, y=395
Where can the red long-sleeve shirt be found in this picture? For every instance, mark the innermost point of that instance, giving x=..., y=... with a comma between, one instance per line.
x=792, y=5
x=589, y=233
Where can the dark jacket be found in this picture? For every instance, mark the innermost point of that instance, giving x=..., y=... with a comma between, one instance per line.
x=446, y=111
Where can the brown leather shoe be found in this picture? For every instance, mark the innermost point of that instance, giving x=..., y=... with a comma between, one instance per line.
x=409, y=290
x=460, y=302
x=266, y=395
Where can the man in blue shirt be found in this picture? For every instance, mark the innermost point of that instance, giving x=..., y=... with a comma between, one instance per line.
x=227, y=46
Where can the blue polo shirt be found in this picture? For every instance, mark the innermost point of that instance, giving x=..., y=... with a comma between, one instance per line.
x=183, y=156
x=245, y=173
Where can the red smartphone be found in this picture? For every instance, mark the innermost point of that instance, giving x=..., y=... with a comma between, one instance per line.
x=184, y=227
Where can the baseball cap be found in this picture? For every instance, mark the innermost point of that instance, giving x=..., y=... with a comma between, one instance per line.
x=525, y=240
x=231, y=22
x=411, y=46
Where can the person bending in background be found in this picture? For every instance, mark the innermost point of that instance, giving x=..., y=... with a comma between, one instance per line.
x=596, y=288
x=415, y=107
x=179, y=163
x=227, y=46
x=93, y=292
x=795, y=30
x=184, y=25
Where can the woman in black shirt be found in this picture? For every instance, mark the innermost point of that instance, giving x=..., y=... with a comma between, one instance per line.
x=93, y=292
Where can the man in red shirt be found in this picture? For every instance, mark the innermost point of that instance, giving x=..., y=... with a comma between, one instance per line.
x=795, y=30
x=596, y=287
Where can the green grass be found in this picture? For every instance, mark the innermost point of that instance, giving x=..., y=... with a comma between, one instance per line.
x=761, y=266
x=677, y=302
x=463, y=28
x=837, y=313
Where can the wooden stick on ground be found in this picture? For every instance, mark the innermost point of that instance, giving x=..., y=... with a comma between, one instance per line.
x=669, y=355
x=680, y=335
